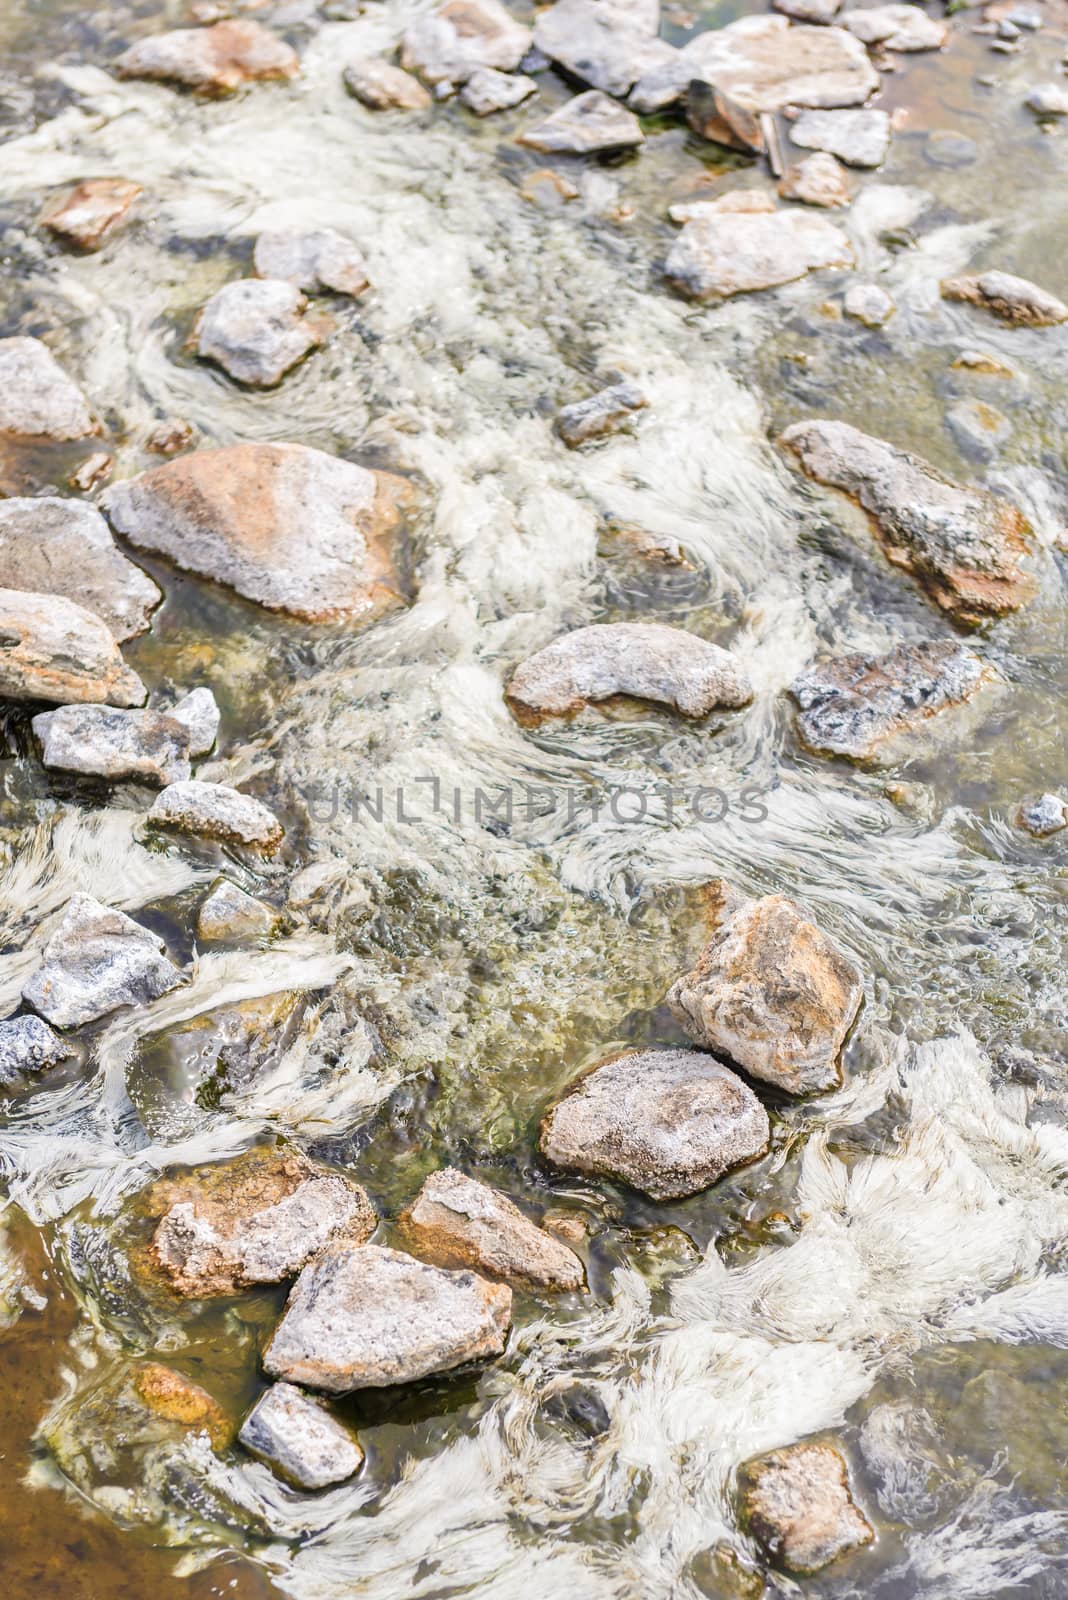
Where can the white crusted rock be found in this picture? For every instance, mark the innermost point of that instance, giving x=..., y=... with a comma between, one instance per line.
x=455, y=1221
x=488, y=90
x=298, y=1437
x=586, y=125
x=896, y=27
x=89, y=214
x=594, y=43
x=1045, y=814
x=311, y=259
x=64, y=547
x=97, y=960
x=381, y=86
x=447, y=45
x=101, y=742
x=818, y=180
x=604, y=412
x=867, y=303
x=256, y=331
x=216, y=811
x=798, y=1505
x=738, y=253
x=1013, y=299
x=228, y=913
x=28, y=1046
x=859, y=138
x=215, y=60
x=37, y=399
x=53, y=649
x=198, y=713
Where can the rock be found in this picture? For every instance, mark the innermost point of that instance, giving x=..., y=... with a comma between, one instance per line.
x=982, y=361
x=104, y=743
x=944, y=148
x=455, y=1221
x=869, y=304
x=92, y=471
x=28, y=1046
x=593, y=43
x=198, y=714
x=735, y=253
x=589, y=123
x=381, y=86
x=64, y=547
x=256, y=1219
x=808, y=10
x=89, y=213
x=256, y=331
x=852, y=705
x=170, y=437
x=603, y=412
x=647, y=660
x=293, y=528
x=1048, y=100
x=859, y=138
x=714, y=115
x=213, y=60
x=547, y=189
x=298, y=1437
x=216, y=811
x=798, y=1505
x=668, y=1122
x=228, y=913
x=978, y=428
x=97, y=960
x=773, y=993
x=447, y=45
x=178, y=1399
x=1042, y=816
x=370, y=1318
x=902, y=27
x=819, y=180
x=488, y=90
x=37, y=399
x=311, y=259
x=1012, y=299
x=748, y=201
x=52, y=649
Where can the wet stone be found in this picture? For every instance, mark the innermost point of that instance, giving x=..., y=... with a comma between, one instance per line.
x=962, y=544
x=456, y=1221
x=808, y=10
x=447, y=45
x=819, y=180
x=311, y=259
x=97, y=960
x=229, y=914
x=587, y=124
x=370, y=1318
x=859, y=138
x=176, y=1398
x=896, y=27
x=773, y=993
x=64, y=547
x=852, y=705
x=978, y=428
x=982, y=361
x=488, y=90
x=28, y=1046
x=547, y=189
x=867, y=303
x=257, y=1219
x=646, y=660
x=299, y=1439
x=798, y=1505
x=668, y=1122
x=37, y=398
x=99, y=741
x=944, y=148
x=92, y=472
x=1013, y=299
x=215, y=811
x=381, y=86
x=213, y=60
x=198, y=713
x=170, y=437
x=256, y=331
x=597, y=45
x=718, y=256
x=604, y=412
x=90, y=213
x=53, y=649
x=746, y=201
x=1042, y=816
x=1048, y=100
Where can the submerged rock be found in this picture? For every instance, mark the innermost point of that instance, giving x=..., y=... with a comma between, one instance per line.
x=257, y=1219
x=852, y=705
x=597, y=45
x=52, y=649
x=604, y=412
x=104, y=743
x=963, y=545
x=256, y=331
x=369, y=1318
x=488, y=90
x=1042, y=816
x=198, y=713
x=293, y=528
x=37, y=399
x=1048, y=100
x=171, y=1395
x=644, y=659
x=298, y=1437
x=819, y=180
x=228, y=913
x=896, y=27
x=214, y=60
x=381, y=86
x=64, y=547
x=90, y=212
x=798, y=1505
x=668, y=1122
x=773, y=993
x=737, y=253
x=216, y=811
x=455, y=1221
x=869, y=304
x=97, y=960
x=859, y=138
x=447, y=45
x=28, y=1046
x=978, y=428
x=589, y=123
x=1012, y=299
x=311, y=259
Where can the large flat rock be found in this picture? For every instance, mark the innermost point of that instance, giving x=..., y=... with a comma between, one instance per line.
x=215, y=60
x=37, y=398
x=215, y=811
x=64, y=547
x=732, y=252
x=102, y=742
x=53, y=649
x=589, y=124
x=97, y=960
x=456, y=1221
x=859, y=138
x=596, y=44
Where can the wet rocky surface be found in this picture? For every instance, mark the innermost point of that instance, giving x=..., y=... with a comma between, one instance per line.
x=455, y=1221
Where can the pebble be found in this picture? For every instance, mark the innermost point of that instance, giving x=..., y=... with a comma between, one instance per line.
x=53, y=649
x=488, y=90
x=214, y=60
x=1048, y=100
x=37, y=399
x=896, y=27
x=64, y=547
x=1042, y=816
x=602, y=413
x=869, y=304
x=456, y=1221
x=381, y=86
x=198, y=713
x=171, y=1395
x=89, y=214
x=798, y=1505
x=28, y=1046
x=255, y=329
x=978, y=428
x=311, y=259
x=299, y=1439
x=943, y=148
x=589, y=123
x=818, y=180
x=808, y=10
x=97, y=960
x=229, y=914
x=215, y=811
x=101, y=742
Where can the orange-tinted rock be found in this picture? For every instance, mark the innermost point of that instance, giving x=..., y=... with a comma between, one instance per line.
x=179, y=1399
x=87, y=214
x=797, y=1504
x=455, y=1221
x=214, y=60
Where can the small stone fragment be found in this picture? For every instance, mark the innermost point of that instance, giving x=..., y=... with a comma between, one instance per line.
x=313, y=260
x=213, y=60
x=982, y=361
x=945, y=148
x=978, y=428
x=52, y=649
x=1045, y=815
x=1012, y=299
x=593, y=42
x=587, y=124
x=370, y=1318
x=717, y=256
x=92, y=472
x=298, y=1437
x=256, y=331
x=668, y=1122
x=64, y=547
x=859, y=138
x=381, y=86
x=773, y=993
x=229, y=914
x=89, y=214
x=488, y=90
x=178, y=1399
x=198, y=714
x=37, y=399
x=604, y=412
x=819, y=180
x=216, y=811
x=101, y=742
x=455, y=1221
x=867, y=303
x=896, y=27
x=28, y=1046
x=447, y=45
x=97, y=960
x=798, y=1505
x=547, y=189
x=647, y=660
x=1048, y=100
x=170, y=437
x=808, y=10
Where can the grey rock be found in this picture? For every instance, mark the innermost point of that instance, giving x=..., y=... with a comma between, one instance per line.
x=798, y=1505
x=102, y=742
x=447, y=45
x=738, y=253
x=818, y=180
x=603, y=412
x=255, y=330
x=53, y=649
x=853, y=705
x=978, y=428
x=488, y=90
x=1013, y=299
x=298, y=1437
x=1046, y=814
x=1048, y=100
x=97, y=960
x=587, y=124
x=370, y=1318
x=859, y=138
x=216, y=811
x=668, y=1122
x=808, y=10
x=215, y=60
x=896, y=27
x=228, y=913
x=962, y=544
x=455, y=1221
x=867, y=303
x=744, y=200
x=64, y=547
x=381, y=86
x=944, y=148
x=311, y=259
x=645, y=659
x=595, y=44
x=198, y=714
x=27, y=1046
x=37, y=399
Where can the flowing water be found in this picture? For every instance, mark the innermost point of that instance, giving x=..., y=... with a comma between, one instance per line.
x=892, y=1275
